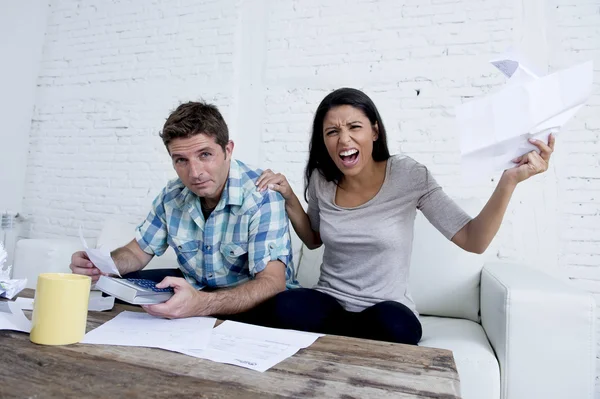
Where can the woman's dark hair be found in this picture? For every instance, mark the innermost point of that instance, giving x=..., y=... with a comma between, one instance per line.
x=318, y=157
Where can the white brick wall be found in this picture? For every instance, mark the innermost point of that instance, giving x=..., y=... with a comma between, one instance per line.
x=576, y=38
x=112, y=70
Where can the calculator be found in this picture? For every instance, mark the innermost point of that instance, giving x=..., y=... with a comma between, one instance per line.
x=137, y=291
x=144, y=284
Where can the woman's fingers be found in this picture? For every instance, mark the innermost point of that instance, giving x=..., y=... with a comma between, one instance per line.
x=265, y=175
x=546, y=150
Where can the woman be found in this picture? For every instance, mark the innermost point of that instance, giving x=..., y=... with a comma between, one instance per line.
x=361, y=205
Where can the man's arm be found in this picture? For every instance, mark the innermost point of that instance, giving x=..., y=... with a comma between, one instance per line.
x=129, y=258
x=267, y=284
x=188, y=302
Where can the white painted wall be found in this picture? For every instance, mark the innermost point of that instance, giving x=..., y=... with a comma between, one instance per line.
x=22, y=28
x=112, y=71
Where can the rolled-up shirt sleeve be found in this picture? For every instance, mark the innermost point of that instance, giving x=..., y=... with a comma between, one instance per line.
x=269, y=238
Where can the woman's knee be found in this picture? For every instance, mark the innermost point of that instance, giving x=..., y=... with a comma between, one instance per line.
x=393, y=322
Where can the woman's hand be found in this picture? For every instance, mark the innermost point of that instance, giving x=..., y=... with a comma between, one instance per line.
x=276, y=182
x=532, y=163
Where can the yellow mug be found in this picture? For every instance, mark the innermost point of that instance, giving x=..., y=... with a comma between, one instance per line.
x=60, y=308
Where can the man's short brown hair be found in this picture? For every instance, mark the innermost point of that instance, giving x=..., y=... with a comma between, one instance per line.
x=194, y=118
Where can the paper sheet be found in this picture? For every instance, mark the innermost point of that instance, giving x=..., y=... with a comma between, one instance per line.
x=100, y=257
x=142, y=329
x=25, y=303
x=495, y=129
x=253, y=347
x=97, y=302
x=13, y=318
x=8, y=287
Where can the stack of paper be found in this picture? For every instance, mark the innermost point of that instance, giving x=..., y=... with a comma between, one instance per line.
x=96, y=303
x=245, y=345
x=495, y=130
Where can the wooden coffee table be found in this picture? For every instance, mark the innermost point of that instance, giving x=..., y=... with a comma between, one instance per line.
x=333, y=367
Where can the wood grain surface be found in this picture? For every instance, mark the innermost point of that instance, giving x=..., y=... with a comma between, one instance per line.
x=333, y=367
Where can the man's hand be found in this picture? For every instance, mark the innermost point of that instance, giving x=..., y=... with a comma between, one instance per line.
x=186, y=302
x=81, y=264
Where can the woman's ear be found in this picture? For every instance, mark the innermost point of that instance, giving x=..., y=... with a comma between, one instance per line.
x=375, y=131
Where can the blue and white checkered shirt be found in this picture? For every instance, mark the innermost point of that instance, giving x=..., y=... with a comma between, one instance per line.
x=245, y=231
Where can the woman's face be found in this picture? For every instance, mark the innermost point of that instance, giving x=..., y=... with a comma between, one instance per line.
x=349, y=137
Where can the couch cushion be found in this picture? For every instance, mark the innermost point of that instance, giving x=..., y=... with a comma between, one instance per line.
x=477, y=366
x=116, y=233
x=444, y=279
x=35, y=256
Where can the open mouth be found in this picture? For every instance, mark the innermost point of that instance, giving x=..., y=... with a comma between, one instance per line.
x=349, y=157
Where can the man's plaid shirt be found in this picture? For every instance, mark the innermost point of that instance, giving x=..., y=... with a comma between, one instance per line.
x=243, y=233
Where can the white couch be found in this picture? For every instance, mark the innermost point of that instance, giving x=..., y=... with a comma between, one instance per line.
x=515, y=332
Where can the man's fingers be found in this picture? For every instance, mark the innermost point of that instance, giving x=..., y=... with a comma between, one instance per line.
x=86, y=271
x=157, y=310
x=161, y=310
x=174, y=282
x=80, y=259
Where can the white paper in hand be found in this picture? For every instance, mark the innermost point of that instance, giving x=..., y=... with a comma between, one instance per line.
x=495, y=129
x=100, y=257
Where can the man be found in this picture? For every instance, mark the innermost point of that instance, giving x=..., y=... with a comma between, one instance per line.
x=232, y=241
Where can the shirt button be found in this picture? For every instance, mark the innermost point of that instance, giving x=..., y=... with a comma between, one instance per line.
x=208, y=247
x=210, y=275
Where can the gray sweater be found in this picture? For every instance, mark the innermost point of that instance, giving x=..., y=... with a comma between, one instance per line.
x=368, y=248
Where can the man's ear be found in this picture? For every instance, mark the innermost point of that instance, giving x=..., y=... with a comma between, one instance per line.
x=375, y=131
x=229, y=149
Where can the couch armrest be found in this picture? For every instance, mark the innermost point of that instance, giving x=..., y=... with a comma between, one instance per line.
x=542, y=330
x=35, y=256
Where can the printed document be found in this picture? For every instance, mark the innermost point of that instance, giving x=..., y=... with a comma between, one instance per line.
x=253, y=347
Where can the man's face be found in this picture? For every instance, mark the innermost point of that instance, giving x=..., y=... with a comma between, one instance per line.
x=202, y=165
